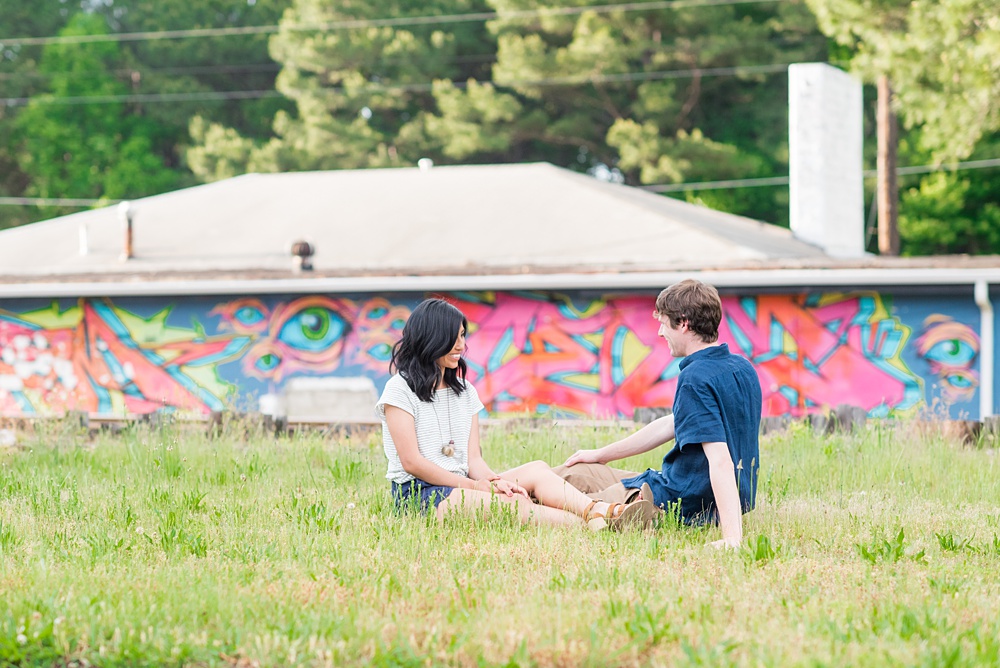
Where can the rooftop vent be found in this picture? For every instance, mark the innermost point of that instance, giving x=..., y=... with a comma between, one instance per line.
x=302, y=252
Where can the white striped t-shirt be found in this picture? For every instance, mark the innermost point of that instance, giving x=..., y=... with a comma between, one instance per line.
x=448, y=417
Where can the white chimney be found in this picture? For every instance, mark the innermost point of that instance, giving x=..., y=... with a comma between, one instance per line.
x=825, y=139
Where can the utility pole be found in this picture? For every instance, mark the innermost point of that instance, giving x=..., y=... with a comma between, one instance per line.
x=887, y=192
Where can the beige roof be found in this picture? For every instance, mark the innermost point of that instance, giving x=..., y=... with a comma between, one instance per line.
x=463, y=219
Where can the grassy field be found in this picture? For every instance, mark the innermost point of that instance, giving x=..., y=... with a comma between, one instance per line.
x=166, y=548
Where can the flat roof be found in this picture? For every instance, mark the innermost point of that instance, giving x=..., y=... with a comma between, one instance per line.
x=470, y=219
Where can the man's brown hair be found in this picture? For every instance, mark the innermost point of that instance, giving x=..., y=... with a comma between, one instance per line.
x=693, y=302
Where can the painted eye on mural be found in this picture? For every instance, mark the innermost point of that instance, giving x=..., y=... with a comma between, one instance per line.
x=960, y=381
x=377, y=312
x=953, y=352
x=267, y=362
x=248, y=315
x=313, y=329
x=398, y=323
x=381, y=352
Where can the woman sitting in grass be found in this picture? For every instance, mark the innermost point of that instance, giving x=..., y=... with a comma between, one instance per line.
x=430, y=432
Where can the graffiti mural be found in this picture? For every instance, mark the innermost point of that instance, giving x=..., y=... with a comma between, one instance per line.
x=100, y=358
x=565, y=355
x=538, y=354
x=314, y=335
x=950, y=348
x=821, y=351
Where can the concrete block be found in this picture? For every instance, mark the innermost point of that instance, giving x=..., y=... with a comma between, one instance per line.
x=991, y=425
x=646, y=414
x=966, y=432
x=774, y=423
x=820, y=423
x=331, y=399
x=848, y=418
x=271, y=405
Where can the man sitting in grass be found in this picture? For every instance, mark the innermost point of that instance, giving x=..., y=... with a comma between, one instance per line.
x=710, y=475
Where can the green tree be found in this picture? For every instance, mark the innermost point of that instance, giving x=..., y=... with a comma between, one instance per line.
x=87, y=150
x=640, y=92
x=19, y=79
x=633, y=91
x=217, y=64
x=353, y=89
x=953, y=212
x=942, y=58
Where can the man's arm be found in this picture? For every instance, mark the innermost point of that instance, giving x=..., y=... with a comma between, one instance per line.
x=727, y=497
x=653, y=435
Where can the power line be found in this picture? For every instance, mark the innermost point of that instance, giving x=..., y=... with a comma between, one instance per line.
x=926, y=169
x=372, y=23
x=142, y=97
x=671, y=187
x=190, y=69
x=213, y=69
x=717, y=185
x=422, y=87
x=54, y=201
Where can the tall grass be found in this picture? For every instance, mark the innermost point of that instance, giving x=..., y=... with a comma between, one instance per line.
x=169, y=548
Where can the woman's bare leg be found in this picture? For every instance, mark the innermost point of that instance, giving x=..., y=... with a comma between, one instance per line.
x=542, y=483
x=471, y=501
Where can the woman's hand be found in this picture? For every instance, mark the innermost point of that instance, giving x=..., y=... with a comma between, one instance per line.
x=509, y=488
x=501, y=486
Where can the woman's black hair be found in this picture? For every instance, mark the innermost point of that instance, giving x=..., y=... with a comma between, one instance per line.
x=429, y=334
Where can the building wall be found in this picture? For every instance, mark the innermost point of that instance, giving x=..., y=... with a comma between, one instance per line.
x=558, y=354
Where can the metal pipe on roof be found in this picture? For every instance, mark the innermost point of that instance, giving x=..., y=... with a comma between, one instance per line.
x=986, y=349
x=125, y=215
x=84, y=240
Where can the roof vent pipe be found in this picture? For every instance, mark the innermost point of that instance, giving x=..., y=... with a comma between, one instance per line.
x=125, y=216
x=84, y=241
x=302, y=252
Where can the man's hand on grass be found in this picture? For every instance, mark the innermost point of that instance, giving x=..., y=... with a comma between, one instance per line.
x=725, y=544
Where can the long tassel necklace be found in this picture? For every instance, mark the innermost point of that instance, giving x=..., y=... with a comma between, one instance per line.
x=448, y=449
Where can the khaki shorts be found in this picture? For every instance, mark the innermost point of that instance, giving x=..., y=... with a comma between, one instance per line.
x=598, y=481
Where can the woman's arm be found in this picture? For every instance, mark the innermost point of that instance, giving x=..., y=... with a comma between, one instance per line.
x=404, y=436
x=480, y=470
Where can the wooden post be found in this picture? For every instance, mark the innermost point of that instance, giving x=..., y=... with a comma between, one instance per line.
x=888, y=188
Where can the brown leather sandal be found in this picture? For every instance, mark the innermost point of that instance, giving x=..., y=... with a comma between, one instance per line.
x=599, y=522
x=637, y=515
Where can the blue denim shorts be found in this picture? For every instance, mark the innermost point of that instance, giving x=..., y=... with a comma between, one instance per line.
x=419, y=493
